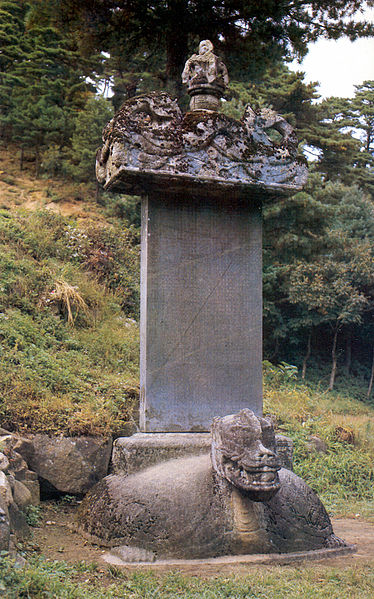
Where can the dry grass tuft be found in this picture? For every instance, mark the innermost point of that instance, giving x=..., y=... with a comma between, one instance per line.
x=69, y=300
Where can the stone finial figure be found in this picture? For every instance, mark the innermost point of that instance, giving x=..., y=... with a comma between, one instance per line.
x=206, y=77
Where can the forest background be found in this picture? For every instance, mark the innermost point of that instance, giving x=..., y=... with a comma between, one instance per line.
x=70, y=288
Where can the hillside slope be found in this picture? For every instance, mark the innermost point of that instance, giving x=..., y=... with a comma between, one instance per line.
x=68, y=308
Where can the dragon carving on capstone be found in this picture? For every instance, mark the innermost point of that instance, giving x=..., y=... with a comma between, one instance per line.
x=149, y=144
x=238, y=500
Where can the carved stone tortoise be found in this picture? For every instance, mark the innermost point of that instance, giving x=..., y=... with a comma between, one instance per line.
x=236, y=501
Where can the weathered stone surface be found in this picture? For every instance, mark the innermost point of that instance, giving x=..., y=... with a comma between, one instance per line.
x=4, y=462
x=138, y=452
x=201, y=312
x=151, y=146
x=18, y=524
x=71, y=464
x=194, y=507
x=206, y=78
x=16, y=449
x=19, y=488
x=34, y=490
x=243, y=453
x=284, y=447
x=5, y=489
x=316, y=444
x=4, y=526
x=24, y=447
x=21, y=495
x=176, y=509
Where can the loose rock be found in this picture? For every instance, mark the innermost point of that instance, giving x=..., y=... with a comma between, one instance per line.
x=70, y=465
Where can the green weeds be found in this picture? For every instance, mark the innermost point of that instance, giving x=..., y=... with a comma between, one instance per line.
x=68, y=337
x=343, y=476
x=32, y=514
x=47, y=580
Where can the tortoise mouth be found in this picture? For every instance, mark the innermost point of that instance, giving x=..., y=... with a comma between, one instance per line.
x=260, y=482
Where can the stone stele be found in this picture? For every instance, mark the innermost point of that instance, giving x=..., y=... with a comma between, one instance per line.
x=203, y=177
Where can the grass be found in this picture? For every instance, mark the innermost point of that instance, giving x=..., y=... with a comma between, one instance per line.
x=41, y=579
x=68, y=331
x=343, y=476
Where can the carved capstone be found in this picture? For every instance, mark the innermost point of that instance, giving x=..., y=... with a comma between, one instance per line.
x=151, y=146
x=232, y=502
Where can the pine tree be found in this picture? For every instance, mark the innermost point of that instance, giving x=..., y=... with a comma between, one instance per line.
x=46, y=86
x=86, y=138
x=13, y=50
x=250, y=35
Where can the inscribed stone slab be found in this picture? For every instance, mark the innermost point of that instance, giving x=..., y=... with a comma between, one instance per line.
x=201, y=311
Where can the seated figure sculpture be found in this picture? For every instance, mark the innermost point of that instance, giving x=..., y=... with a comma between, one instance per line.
x=206, y=78
x=236, y=501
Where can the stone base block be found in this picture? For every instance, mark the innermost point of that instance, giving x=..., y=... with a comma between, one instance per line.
x=138, y=452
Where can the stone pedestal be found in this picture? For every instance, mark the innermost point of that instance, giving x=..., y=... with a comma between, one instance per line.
x=142, y=450
x=201, y=310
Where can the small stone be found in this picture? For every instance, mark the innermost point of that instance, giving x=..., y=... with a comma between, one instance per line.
x=5, y=489
x=4, y=528
x=4, y=462
x=34, y=489
x=21, y=494
x=316, y=444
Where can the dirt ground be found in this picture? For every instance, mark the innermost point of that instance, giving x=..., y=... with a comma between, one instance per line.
x=22, y=189
x=55, y=540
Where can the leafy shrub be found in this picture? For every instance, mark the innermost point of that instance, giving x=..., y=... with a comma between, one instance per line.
x=33, y=514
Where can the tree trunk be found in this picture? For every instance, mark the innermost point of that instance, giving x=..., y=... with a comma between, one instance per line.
x=21, y=160
x=274, y=355
x=176, y=45
x=37, y=162
x=307, y=355
x=371, y=377
x=334, y=361
x=348, y=352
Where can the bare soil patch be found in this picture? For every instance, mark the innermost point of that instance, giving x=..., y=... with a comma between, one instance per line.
x=22, y=189
x=55, y=540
